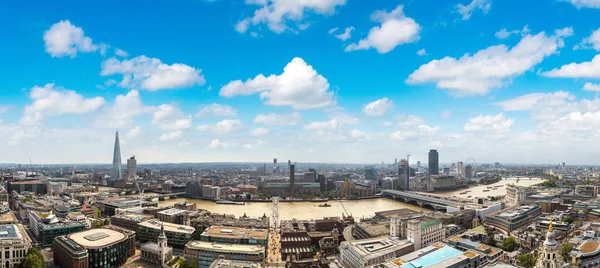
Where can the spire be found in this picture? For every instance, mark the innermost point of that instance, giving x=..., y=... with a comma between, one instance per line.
x=117, y=169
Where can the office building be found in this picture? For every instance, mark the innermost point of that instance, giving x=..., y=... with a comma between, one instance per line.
x=186, y=206
x=193, y=189
x=446, y=171
x=207, y=252
x=131, y=167
x=423, y=232
x=460, y=169
x=369, y=252
x=586, y=255
x=129, y=221
x=418, y=165
x=14, y=242
x=283, y=188
x=45, y=227
x=437, y=255
x=468, y=172
x=371, y=174
x=95, y=248
x=310, y=176
x=158, y=253
x=389, y=183
x=235, y=235
x=220, y=263
x=36, y=187
x=434, y=162
x=174, y=215
x=403, y=174
x=512, y=218
x=212, y=192
x=178, y=235
x=515, y=195
x=110, y=208
x=116, y=172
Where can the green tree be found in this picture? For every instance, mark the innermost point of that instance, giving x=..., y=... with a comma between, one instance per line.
x=99, y=213
x=568, y=219
x=98, y=224
x=526, y=260
x=107, y=222
x=509, y=244
x=565, y=248
x=491, y=241
x=33, y=259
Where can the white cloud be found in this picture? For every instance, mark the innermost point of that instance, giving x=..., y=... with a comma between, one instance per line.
x=359, y=135
x=422, y=52
x=169, y=117
x=592, y=41
x=4, y=109
x=174, y=135
x=395, y=29
x=299, y=86
x=272, y=119
x=466, y=11
x=586, y=69
x=346, y=34
x=52, y=101
x=216, y=143
x=591, y=87
x=419, y=131
x=66, y=39
x=529, y=101
x=134, y=133
x=409, y=120
x=333, y=30
x=489, y=68
x=446, y=114
x=496, y=123
x=215, y=109
x=124, y=109
x=151, y=74
x=387, y=124
x=121, y=53
x=332, y=124
x=282, y=15
x=378, y=108
x=223, y=127
x=260, y=131
x=585, y=3
x=255, y=145
x=503, y=33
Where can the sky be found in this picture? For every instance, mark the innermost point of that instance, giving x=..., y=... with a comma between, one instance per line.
x=321, y=81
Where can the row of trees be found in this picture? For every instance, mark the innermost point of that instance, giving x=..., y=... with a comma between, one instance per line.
x=33, y=259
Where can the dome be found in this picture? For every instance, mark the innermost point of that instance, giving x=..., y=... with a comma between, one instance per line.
x=550, y=237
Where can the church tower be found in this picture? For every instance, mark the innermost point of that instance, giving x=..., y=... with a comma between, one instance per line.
x=162, y=246
x=549, y=258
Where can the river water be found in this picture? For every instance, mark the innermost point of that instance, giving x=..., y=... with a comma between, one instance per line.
x=358, y=208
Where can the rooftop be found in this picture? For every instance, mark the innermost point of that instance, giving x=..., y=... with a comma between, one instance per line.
x=133, y=217
x=221, y=263
x=433, y=258
x=12, y=232
x=235, y=232
x=97, y=238
x=373, y=247
x=515, y=213
x=590, y=247
x=225, y=248
x=169, y=227
x=172, y=211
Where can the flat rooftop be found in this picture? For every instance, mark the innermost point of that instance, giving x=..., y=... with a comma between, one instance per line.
x=514, y=213
x=376, y=246
x=173, y=211
x=236, y=233
x=169, y=227
x=433, y=258
x=225, y=248
x=13, y=232
x=133, y=217
x=8, y=218
x=97, y=238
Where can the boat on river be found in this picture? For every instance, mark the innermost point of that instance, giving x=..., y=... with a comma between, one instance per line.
x=227, y=202
x=324, y=205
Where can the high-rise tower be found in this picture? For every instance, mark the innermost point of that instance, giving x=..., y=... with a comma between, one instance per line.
x=117, y=169
x=434, y=164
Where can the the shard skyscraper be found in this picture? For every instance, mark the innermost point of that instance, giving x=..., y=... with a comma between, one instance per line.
x=117, y=169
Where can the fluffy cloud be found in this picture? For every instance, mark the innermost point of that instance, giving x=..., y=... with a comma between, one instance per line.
x=489, y=68
x=495, y=123
x=503, y=33
x=587, y=69
x=299, y=86
x=409, y=120
x=378, y=108
x=343, y=36
x=591, y=87
x=593, y=42
x=255, y=145
x=66, y=39
x=395, y=29
x=260, y=131
x=169, y=117
x=173, y=135
x=121, y=53
x=422, y=52
x=124, y=109
x=529, y=101
x=585, y=3
x=332, y=124
x=52, y=101
x=151, y=74
x=446, y=114
x=223, y=127
x=272, y=119
x=134, y=133
x=216, y=110
x=466, y=11
x=216, y=143
x=419, y=131
x=282, y=15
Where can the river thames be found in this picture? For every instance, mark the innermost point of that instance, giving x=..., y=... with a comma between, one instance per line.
x=358, y=208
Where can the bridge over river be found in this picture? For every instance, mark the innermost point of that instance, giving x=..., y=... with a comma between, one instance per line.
x=423, y=200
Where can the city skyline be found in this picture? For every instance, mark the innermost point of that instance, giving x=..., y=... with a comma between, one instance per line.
x=227, y=81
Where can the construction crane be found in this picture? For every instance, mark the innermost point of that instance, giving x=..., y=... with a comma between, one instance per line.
x=137, y=185
x=407, y=155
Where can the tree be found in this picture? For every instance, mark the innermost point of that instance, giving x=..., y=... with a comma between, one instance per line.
x=565, y=248
x=568, y=219
x=33, y=259
x=509, y=244
x=107, y=222
x=526, y=260
x=491, y=241
x=99, y=213
x=98, y=224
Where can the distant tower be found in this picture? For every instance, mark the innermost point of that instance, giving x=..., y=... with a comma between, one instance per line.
x=117, y=168
x=434, y=163
x=549, y=257
x=292, y=178
x=162, y=247
x=131, y=167
x=403, y=174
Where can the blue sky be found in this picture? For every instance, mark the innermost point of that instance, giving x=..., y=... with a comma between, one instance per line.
x=204, y=81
